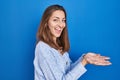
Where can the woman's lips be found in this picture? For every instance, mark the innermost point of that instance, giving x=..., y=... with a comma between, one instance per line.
x=57, y=30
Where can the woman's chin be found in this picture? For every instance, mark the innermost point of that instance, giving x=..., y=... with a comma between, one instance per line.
x=58, y=35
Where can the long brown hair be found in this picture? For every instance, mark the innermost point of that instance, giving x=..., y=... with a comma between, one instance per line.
x=45, y=35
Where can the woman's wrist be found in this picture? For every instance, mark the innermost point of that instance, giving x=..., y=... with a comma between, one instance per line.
x=84, y=61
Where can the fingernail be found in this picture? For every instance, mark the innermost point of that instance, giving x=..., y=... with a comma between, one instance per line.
x=109, y=63
x=107, y=58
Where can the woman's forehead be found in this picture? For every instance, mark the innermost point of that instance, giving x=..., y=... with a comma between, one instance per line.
x=58, y=14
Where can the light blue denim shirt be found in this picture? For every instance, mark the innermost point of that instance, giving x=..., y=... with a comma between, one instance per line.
x=49, y=64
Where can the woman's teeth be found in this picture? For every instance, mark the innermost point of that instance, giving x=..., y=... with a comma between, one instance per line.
x=57, y=29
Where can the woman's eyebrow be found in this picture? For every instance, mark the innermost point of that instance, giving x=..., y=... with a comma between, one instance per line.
x=57, y=17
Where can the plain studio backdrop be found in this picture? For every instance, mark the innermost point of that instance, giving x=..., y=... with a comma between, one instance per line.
x=93, y=26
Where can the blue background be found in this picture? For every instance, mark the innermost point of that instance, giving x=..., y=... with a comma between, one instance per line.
x=94, y=26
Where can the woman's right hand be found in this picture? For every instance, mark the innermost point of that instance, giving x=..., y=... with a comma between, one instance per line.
x=96, y=59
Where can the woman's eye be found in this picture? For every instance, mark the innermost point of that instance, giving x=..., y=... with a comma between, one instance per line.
x=63, y=20
x=55, y=20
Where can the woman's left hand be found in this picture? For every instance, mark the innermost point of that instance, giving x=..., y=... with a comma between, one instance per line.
x=97, y=59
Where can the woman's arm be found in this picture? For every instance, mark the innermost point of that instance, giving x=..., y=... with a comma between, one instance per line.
x=51, y=70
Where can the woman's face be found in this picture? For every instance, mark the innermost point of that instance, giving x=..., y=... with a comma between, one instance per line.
x=57, y=23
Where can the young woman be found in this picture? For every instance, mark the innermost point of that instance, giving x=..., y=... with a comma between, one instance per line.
x=52, y=60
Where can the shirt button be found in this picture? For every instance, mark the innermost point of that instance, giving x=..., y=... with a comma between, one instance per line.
x=67, y=63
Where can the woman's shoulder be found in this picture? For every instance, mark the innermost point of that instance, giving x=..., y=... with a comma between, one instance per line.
x=42, y=45
x=43, y=49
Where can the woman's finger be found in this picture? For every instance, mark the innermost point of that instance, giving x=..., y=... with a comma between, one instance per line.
x=103, y=63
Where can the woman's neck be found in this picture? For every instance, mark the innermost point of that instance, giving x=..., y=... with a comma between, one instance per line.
x=55, y=40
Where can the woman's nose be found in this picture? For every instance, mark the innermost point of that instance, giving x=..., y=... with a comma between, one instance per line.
x=61, y=24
